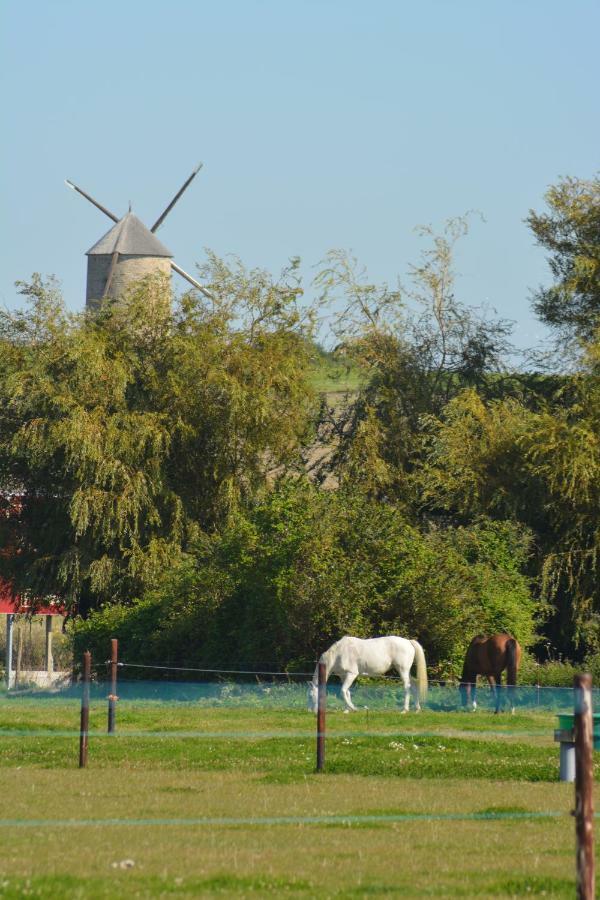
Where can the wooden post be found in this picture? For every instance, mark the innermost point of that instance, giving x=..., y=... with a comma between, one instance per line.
x=321, y=707
x=10, y=620
x=49, y=659
x=85, y=710
x=584, y=782
x=112, y=697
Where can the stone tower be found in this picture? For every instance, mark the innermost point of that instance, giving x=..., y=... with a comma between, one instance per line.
x=126, y=253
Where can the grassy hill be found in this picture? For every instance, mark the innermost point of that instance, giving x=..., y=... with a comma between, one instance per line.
x=332, y=372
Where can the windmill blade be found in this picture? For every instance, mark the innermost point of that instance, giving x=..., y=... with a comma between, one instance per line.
x=184, y=187
x=103, y=209
x=113, y=262
x=191, y=280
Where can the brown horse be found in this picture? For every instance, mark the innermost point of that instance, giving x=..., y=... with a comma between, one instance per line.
x=490, y=656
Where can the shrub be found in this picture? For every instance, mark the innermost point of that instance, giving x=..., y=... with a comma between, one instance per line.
x=304, y=567
x=554, y=673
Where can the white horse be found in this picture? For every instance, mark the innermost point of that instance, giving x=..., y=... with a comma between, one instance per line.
x=350, y=657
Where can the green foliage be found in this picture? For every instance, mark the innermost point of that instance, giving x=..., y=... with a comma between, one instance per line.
x=129, y=431
x=570, y=231
x=552, y=673
x=418, y=348
x=304, y=567
x=541, y=468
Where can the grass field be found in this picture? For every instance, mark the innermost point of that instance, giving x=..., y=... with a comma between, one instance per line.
x=198, y=801
x=331, y=373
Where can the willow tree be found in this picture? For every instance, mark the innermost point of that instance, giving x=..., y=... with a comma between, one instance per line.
x=538, y=467
x=125, y=433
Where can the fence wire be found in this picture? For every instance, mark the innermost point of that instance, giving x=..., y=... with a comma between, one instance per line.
x=285, y=691
x=340, y=820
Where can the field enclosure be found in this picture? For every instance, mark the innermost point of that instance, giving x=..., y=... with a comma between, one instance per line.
x=211, y=791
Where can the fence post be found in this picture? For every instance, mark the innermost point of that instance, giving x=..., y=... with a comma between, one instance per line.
x=10, y=620
x=85, y=710
x=48, y=660
x=321, y=707
x=584, y=781
x=112, y=697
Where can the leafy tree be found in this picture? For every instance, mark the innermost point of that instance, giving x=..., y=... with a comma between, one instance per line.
x=128, y=432
x=538, y=467
x=570, y=232
x=418, y=348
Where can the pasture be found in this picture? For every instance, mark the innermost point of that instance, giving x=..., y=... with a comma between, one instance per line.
x=202, y=799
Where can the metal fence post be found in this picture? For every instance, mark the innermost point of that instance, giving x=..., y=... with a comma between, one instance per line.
x=10, y=620
x=85, y=710
x=48, y=660
x=584, y=782
x=322, y=704
x=112, y=697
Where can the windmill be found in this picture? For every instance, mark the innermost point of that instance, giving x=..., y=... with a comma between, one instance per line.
x=129, y=251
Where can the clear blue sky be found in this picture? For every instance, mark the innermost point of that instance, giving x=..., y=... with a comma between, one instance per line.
x=321, y=123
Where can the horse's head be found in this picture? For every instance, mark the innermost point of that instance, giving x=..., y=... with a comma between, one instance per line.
x=313, y=697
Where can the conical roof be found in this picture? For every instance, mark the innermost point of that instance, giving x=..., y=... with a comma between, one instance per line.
x=131, y=237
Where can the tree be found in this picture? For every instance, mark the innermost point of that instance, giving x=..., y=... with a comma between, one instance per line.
x=570, y=231
x=540, y=468
x=128, y=432
x=418, y=348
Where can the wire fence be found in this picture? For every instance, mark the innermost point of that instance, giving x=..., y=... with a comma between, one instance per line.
x=340, y=820
x=271, y=690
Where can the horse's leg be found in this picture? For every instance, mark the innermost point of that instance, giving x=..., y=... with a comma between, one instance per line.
x=348, y=681
x=416, y=698
x=496, y=686
x=474, y=691
x=405, y=676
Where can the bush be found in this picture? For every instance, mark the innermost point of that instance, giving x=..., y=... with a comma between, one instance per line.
x=305, y=567
x=554, y=673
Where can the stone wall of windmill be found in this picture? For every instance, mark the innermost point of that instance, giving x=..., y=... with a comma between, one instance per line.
x=128, y=269
x=124, y=255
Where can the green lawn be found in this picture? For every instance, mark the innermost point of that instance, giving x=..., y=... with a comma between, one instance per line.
x=195, y=801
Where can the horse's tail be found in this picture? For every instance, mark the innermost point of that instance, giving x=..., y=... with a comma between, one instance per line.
x=315, y=678
x=421, y=670
x=325, y=657
x=512, y=660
